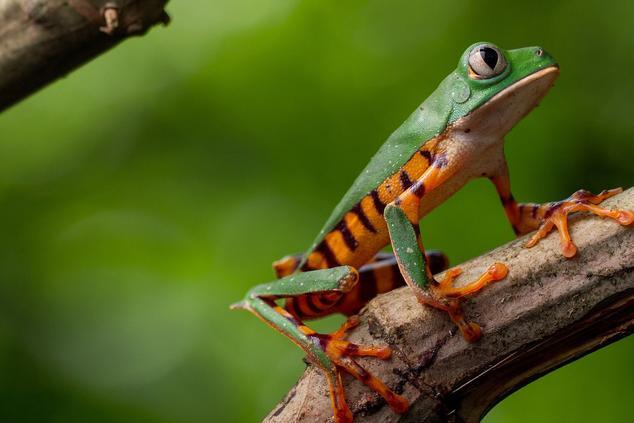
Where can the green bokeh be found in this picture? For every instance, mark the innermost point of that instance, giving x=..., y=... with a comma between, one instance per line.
x=151, y=188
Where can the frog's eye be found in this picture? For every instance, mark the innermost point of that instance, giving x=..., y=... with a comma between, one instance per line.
x=486, y=61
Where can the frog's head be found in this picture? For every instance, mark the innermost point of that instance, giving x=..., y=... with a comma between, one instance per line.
x=492, y=88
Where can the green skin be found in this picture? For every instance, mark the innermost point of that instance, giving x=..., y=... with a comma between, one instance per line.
x=457, y=96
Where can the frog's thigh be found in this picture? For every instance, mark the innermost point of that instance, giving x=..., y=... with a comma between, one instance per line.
x=337, y=279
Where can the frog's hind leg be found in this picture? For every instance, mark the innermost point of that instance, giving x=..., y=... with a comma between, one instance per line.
x=378, y=276
x=329, y=352
x=544, y=218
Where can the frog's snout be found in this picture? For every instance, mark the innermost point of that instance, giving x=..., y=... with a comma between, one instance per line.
x=542, y=58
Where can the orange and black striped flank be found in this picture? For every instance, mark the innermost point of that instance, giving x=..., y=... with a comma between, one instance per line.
x=363, y=218
x=328, y=254
x=362, y=230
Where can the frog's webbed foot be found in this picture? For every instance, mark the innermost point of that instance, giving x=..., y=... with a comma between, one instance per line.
x=448, y=298
x=342, y=353
x=555, y=214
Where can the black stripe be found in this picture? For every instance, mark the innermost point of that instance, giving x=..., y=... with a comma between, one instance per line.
x=329, y=299
x=348, y=236
x=306, y=267
x=534, y=209
x=291, y=307
x=310, y=303
x=324, y=249
x=368, y=286
x=426, y=154
x=516, y=230
x=419, y=189
x=350, y=349
x=382, y=256
x=405, y=181
x=550, y=210
x=437, y=261
x=358, y=210
x=378, y=204
x=507, y=200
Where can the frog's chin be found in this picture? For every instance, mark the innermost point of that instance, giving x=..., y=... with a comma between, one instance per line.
x=499, y=114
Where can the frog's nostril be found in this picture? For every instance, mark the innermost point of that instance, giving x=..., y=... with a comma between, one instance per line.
x=539, y=52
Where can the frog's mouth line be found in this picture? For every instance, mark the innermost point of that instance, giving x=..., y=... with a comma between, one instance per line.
x=538, y=83
x=550, y=72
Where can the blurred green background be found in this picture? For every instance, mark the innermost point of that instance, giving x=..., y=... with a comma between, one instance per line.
x=152, y=187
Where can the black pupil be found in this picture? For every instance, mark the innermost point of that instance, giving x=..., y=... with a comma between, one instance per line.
x=489, y=56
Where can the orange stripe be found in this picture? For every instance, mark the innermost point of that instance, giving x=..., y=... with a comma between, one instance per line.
x=337, y=245
x=367, y=241
x=316, y=260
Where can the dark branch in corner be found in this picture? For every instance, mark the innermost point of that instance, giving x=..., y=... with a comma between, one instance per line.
x=42, y=40
x=548, y=312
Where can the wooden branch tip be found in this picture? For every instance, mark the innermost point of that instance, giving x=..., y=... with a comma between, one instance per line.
x=43, y=40
x=548, y=311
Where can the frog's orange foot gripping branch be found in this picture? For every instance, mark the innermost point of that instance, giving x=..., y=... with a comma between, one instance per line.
x=556, y=215
x=341, y=352
x=331, y=352
x=546, y=217
x=444, y=289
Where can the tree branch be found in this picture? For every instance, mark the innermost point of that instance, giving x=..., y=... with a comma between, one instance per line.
x=549, y=311
x=42, y=40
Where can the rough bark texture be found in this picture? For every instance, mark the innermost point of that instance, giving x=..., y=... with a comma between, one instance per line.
x=42, y=40
x=549, y=311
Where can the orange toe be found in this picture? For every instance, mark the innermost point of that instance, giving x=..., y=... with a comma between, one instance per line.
x=498, y=271
x=625, y=217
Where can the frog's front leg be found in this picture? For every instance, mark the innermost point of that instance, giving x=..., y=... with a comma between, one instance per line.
x=528, y=217
x=402, y=218
x=329, y=352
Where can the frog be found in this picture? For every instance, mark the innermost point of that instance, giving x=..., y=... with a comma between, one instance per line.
x=456, y=135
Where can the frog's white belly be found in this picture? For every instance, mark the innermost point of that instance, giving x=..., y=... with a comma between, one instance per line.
x=474, y=143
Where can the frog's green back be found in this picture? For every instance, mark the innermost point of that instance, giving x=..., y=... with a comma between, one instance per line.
x=426, y=122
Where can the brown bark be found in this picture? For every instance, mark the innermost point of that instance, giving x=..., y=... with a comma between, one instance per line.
x=42, y=40
x=549, y=311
